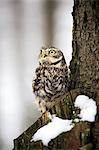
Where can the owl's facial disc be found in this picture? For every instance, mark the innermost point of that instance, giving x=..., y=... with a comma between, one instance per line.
x=50, y=56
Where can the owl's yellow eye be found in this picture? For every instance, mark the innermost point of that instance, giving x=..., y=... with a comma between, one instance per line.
x=52, y=51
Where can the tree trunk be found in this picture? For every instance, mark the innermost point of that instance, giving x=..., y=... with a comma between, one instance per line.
x=83, y=80
x=85, y=58
x=84, y=64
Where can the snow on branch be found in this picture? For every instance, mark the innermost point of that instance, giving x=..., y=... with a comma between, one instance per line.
x=57, y=125
x=52, y=129
x=88, y=108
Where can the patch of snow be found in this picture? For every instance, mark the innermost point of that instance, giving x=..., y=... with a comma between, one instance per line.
x=52, y=129
x=57, y=125
x=88, y=108
x=76, y=120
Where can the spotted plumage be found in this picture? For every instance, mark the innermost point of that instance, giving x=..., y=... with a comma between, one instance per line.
x=51, y=77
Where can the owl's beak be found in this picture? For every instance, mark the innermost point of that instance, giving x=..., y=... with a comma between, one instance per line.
x=45, y=55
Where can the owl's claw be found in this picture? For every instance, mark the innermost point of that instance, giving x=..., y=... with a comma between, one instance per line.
x=49, y=115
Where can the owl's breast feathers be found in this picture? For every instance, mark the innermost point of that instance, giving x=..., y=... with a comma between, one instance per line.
x=50, y=82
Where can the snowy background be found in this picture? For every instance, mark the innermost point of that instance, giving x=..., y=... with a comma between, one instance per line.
x=26, y=26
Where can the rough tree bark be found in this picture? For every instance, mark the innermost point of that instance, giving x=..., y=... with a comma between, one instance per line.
x=83, y=80
x=85, y=58
x=84, y=64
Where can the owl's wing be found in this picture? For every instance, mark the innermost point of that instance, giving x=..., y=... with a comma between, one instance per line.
x=33, y=83
x=36, y=82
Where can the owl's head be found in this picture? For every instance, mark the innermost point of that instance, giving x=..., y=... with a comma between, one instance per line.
x=51, y=56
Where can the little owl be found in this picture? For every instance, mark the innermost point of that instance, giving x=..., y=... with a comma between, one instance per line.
x=51, y=80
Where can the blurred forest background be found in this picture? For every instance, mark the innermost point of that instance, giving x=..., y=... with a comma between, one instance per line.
x=26, y=26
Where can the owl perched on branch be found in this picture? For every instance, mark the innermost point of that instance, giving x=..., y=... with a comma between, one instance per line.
x=51, y=80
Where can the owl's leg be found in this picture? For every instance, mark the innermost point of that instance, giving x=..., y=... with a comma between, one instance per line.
x=45, y=110
x=42, y=106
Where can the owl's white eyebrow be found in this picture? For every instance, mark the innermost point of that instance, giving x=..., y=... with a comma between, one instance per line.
x=55, y=63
